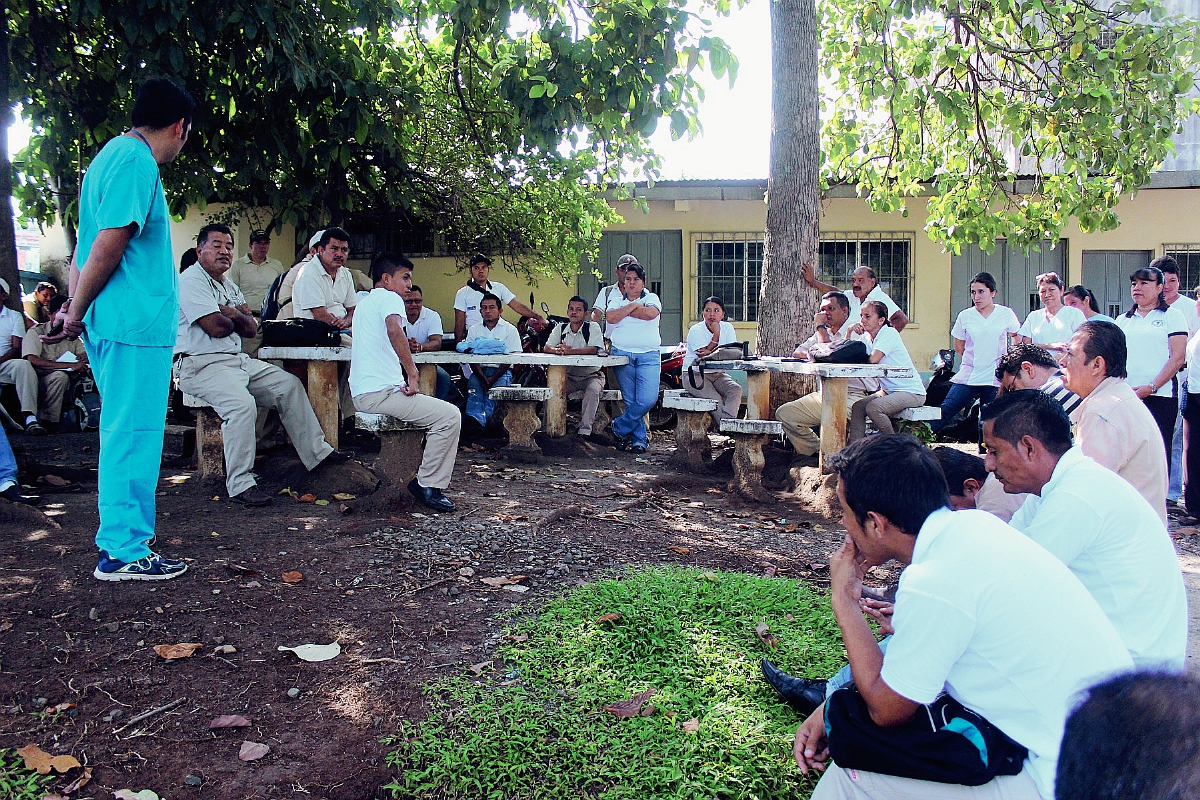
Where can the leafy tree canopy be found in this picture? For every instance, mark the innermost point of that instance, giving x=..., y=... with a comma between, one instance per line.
x=497, y=123
x=1076, y=101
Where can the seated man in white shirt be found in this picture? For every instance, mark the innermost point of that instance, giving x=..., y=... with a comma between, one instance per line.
x=424, y=328
x=1094, y=522
x=14, y=369
x=799, y=417
x=384, y=379
x=578, y=337
x=210, y=365
x=982, y=613
x=864, y=286
x=1031, y=366
x=484, y=376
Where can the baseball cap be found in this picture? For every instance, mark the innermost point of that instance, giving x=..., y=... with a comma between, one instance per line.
x=625, y=260
x=478, y=257
x=316, y=239
x=259, y=236
x=4, y=285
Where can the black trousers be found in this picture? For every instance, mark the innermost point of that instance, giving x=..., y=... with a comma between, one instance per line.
x=1191, y=453
x=1164, y=410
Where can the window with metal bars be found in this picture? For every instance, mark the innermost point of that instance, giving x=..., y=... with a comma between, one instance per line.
x=1188, y=258
x=888, y=254
x=729, y=266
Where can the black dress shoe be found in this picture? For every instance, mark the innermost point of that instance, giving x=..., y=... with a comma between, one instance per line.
x=432, y=498
x=337, y=457
x=802, y=694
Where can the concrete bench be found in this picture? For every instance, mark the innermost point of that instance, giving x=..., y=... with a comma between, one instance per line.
x=521, y=419
x=604, y=412
x=400, y=445
x=919, y=414
x=749, y=438
x=693, y=417
x=210, y=446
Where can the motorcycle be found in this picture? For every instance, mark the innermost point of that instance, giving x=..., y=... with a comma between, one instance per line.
x=965, y=427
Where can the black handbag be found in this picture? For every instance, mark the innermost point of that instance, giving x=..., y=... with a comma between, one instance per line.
x=736, y=351
x=300, y=333
x=944, y=742
x=847, y=351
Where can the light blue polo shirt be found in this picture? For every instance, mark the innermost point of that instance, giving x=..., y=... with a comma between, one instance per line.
x=140, y=303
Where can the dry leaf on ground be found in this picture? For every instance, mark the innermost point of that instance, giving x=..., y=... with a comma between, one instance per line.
x=342, y=496
x=515, y=587
x=683, y=551
x=129, y=794
x=173, y=651
x=769, y=569
x=520, y=637
x=816, y=566
x=53, y=480
x=477, y=669
x=314, y=652
x=611, y=616
x=60, y=707
x=691, y=726
x=292, y=577
x=38, y=759
x=307, y=498
x=763, y=632
x=502, y=580
x=83, y=780
x=625, y=709
x=229, y=721
x=252, y=751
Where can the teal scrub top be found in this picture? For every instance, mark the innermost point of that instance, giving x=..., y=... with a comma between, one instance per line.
x=140, y=303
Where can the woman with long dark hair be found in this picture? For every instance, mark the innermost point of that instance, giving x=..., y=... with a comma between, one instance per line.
x=1156, y=337
x=703, y=339
x=897, y=394
x=982, y=334
x=1082, y=298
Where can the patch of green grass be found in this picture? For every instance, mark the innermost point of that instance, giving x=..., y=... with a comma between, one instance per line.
x=17, y=782
x=689, y=635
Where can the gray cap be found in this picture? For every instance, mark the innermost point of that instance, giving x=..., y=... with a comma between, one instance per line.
x=624, y=261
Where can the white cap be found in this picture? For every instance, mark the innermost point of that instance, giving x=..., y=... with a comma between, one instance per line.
x=4, y=285
x=316, y=239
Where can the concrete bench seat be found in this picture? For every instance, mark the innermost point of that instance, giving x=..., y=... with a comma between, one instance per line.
x=693, y=417
x=521, y=419
x=400, y=445
x=210, y=446
x=919, y=414
x=749, y=438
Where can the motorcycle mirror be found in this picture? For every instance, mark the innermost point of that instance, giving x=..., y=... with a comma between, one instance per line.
x=545, y=307
x=531, y=299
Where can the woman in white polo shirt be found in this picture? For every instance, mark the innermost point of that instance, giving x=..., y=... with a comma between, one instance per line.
x=632, y=320
x=1052, y=325
x=897, y=394
x=981, y=336
x=1156, y=337
x=1191, y=424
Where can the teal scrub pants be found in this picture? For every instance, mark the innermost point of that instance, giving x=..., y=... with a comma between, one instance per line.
x=134, y=384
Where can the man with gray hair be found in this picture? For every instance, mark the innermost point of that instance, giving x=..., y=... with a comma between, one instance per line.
x=864, y=286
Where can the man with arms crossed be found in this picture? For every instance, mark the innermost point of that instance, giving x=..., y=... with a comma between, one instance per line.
x=982, y=613
x=384, y=379
x=1094, y=522
x=125, y=302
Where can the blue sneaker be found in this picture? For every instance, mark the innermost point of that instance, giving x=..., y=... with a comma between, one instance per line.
x=151, y=568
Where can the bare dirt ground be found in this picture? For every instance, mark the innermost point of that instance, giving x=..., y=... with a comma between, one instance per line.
x=401, y=591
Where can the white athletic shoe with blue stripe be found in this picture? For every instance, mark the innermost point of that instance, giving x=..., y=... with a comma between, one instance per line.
x=151, y=568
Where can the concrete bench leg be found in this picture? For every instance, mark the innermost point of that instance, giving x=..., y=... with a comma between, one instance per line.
x=210, y=446
x=400, y=455
x=748, y=463
x=521, y=420
x=692, y=448
x=602, y=419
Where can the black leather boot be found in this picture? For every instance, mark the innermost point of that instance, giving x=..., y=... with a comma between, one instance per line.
x=802, y=694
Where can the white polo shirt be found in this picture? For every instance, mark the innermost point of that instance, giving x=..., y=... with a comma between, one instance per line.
x=986, y=342
x=631, y=334
x=700, y=336
x=1193, y=365
x=895, y=354
x=199, y=296
x=1187, y=306
x=1002, y=626
x=12, y=323
x=467, y=300
x=429, y=323
x=1146, y=338
x=1042, y=328
x=374, y=364
x=505, y=331
x=1109, y=536
x=315, y=289
x=875, y=294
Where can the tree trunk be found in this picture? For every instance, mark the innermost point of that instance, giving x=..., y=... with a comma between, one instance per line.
x=786, y=304
x=8, y=239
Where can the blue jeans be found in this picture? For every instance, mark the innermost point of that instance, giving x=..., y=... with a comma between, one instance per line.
x=443, y=384
x=8, y=462
x=1175, y=485
x=134, y=383
x=845, y=677
x=639, y=391
x=479, y=405
x=959, y=397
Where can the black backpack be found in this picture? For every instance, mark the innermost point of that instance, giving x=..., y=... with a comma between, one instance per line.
x=270, y=306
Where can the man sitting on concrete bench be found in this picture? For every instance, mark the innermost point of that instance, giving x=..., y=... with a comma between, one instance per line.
x=384, y=378
x=210, y=366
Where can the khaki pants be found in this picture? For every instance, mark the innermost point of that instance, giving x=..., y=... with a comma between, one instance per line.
x=722, y=388
x=20, y=373
x=880, y=407
x=799, y=417
x=53, y=386
x=442, y=423
x=590, y=386
x=235, y=386
x=855, y=784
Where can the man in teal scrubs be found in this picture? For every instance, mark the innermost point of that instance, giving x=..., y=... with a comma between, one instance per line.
x=126, y=305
